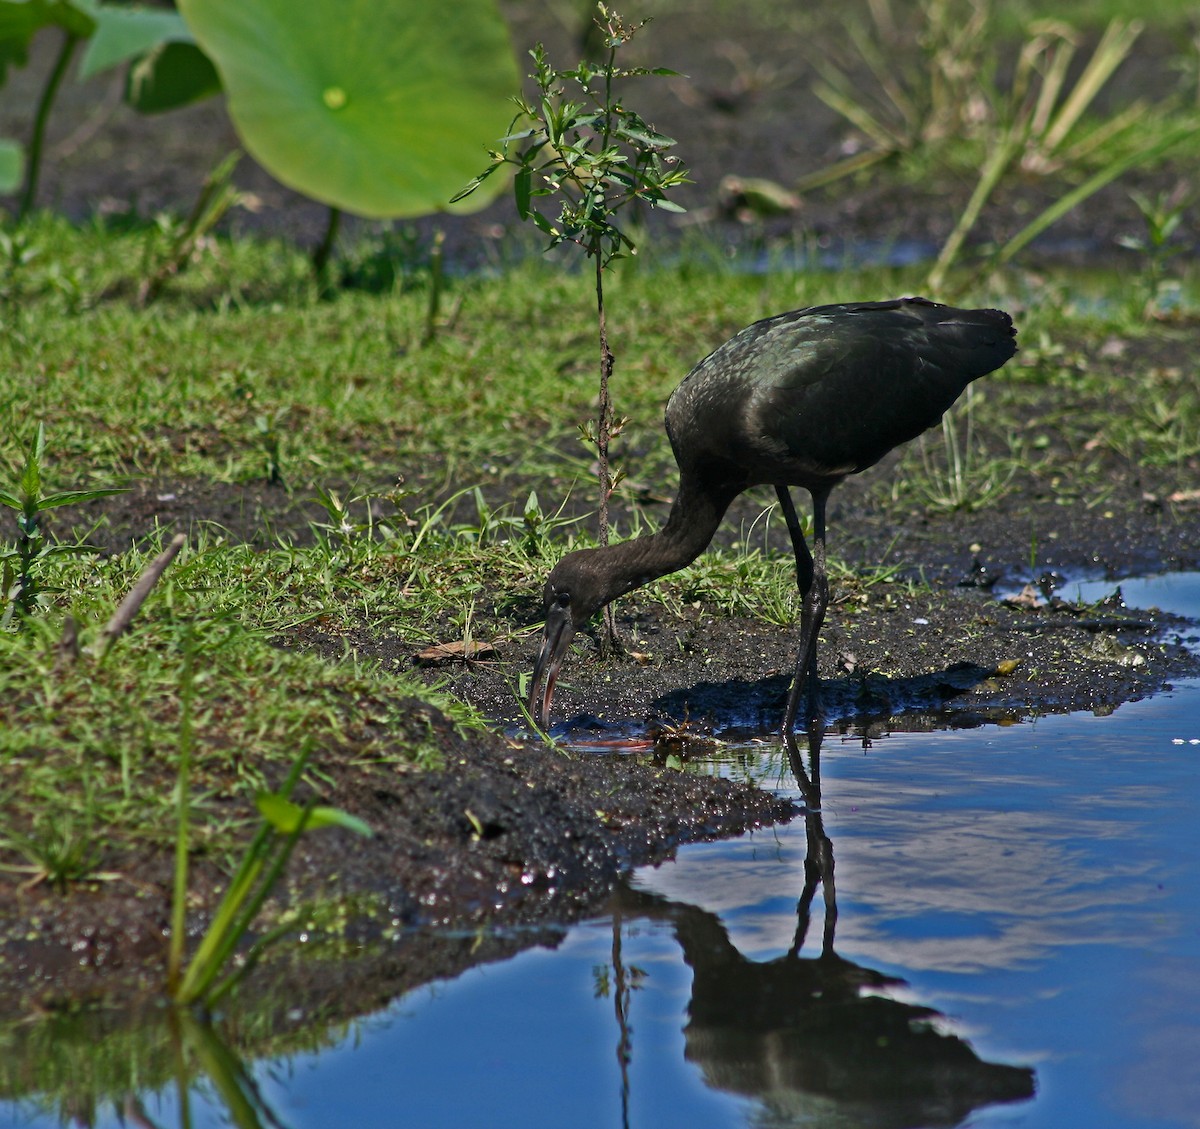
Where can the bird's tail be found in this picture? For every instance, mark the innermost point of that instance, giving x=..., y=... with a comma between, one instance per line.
x=982, y=339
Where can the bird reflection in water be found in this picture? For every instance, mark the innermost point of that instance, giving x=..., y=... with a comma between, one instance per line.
x=817, y=1039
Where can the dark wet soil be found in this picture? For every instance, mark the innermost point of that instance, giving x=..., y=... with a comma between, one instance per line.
x=503, y=835
x=513, y=833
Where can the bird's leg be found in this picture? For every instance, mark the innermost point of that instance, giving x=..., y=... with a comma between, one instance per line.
x=812, y=614
x=818, y=860
x=804, y=581
x=804, y=561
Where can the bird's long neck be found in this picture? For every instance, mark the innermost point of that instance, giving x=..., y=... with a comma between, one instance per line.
x=690, y=526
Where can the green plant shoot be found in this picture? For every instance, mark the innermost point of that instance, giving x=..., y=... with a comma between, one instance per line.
x=260, y=868
x=579, y=161
x=21, y=567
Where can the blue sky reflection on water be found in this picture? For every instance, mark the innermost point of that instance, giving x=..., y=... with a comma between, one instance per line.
x=1036, y=884
x=525, y=1043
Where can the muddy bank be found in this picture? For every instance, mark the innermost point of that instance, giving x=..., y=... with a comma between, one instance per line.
x=503, y=835
x=511, y=841
x=512, y=833
x=515, y=833
x=922, y=661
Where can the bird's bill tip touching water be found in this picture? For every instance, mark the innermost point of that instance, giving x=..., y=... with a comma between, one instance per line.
x=555, y=640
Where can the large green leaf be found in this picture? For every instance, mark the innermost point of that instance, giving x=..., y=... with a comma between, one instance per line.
x=170, y=76
x=124, y=33
x=379, y=107
x=12, y=165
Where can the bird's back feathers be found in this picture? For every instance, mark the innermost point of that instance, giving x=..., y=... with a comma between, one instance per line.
x=810, y=396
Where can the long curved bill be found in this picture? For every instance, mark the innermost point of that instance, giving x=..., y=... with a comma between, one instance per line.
x=555, y=640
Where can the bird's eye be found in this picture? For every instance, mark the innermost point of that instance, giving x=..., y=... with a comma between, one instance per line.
x=562, y=599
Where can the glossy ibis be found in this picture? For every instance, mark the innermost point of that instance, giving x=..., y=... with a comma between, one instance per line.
x=800, y=399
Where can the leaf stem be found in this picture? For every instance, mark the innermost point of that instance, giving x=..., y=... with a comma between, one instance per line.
x=324, y=250
x=36, y=141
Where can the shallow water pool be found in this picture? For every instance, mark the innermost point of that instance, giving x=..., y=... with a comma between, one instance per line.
x=1016, y=943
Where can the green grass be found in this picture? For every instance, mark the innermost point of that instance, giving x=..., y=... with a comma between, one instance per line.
x=89, y=753
x=177, y=390
x=172, y=395
x=188, y=389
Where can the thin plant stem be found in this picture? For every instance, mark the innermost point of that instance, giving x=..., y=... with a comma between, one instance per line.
x=608, y=636
x=990, y=176
x=241, y=902
x=213, y=943
x=604, y=428
x=436, y=277
x=182, y=830
x=38, y=137
x=324, y=250
x=235, y=928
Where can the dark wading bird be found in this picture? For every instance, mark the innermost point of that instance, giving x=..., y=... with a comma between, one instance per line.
x=801, y=399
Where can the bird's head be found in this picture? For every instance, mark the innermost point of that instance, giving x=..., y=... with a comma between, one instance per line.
x=574, y=593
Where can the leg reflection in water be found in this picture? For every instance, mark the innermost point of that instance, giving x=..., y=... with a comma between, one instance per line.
x=818, y=1039
x=818, y=861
